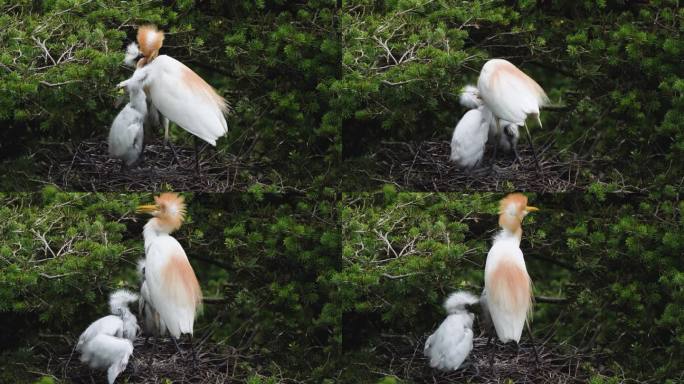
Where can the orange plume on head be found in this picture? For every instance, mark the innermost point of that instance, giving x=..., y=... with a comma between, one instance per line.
x=150, y=40
x=171, y=209
x=512, y=210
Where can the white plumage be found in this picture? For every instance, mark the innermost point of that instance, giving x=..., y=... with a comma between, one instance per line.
x=118, y=304
x=132, y=55
x=175, y=306
x=109, y=325
x=470, y=97
x=107, y=352
x=508, y=92
x=469, y=138
x=507, y=316
x=183, y=97
x=452, y=342
x=173, y=289
x=126, y=134
x=508, y=287
x=152, y=323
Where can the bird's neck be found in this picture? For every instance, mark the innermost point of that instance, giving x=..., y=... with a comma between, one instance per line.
x=510, y=234
x=138, y=100
x=152, y=231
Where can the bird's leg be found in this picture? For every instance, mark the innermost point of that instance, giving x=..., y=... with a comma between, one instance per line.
x=497, y=137
x=197, y=168
x=534, y=153
x=175, y=342
x=516, y=153
x=534, y=347
x=194, y=353
x=491, y=351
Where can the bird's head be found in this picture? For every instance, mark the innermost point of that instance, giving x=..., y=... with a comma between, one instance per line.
x=168, y=210
x=512, y=209
x=150, y=40
x=470, y=97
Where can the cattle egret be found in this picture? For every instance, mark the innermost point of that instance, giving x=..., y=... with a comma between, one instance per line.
x=107, y=352
x=152, y=323
x=511, y=95
x=452, y=342
x=506, y=138
x=173, y=289
x=469, y=138
x=126, y=134
x=507, y=297
x=177, y=92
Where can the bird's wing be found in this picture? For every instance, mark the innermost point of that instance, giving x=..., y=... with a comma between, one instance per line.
x=513, y=94
x=509, y=293
x=469, y=138
x=186, y=99
x=450, y=344
x=173, y=286
x=108, y=325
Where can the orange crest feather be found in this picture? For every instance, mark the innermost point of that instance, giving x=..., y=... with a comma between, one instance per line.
x=171, y=209
x=150, y=40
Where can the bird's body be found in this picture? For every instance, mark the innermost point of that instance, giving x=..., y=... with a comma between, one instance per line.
x=508, y=92
x=508, y=287
x=469, y=138
x=111, y=325
x=170, y=281
x=183, y=97
x=126, y=134
x=452, y=342
x=108, y=352
x=510, y=95
x=152, y=323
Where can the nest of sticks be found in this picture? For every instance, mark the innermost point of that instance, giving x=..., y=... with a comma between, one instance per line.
x=88, y=167
x=160, y=362
x=514, y=364
x=425, y=166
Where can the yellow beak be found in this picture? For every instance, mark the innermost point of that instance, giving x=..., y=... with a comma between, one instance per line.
x=531, y=209
x=146, y=208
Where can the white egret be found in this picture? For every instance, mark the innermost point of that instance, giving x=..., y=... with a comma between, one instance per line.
x=152, y=323
x=452, y=342
x=511, y=95
x=507, y=298
x=174, y=291
x=118, y=305
x=121, y=322
x=126, y=135
x=134, y=59
x=469, y=138
x=178, y=92
x=107, y=352
x=505, y=138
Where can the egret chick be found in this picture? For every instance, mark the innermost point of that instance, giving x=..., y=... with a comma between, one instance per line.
x=452, y=342
x=118, y=304
x=126, y=134
x=174, y=291
x=107, y=352
x=109, y=325
x=511, y=95
x=469, y=138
